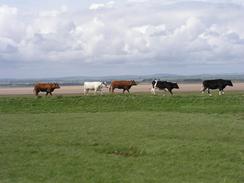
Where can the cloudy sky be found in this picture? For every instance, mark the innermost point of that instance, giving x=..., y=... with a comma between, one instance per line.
x=87, y=37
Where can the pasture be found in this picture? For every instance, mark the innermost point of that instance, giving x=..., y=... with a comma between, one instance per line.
x=137, y=138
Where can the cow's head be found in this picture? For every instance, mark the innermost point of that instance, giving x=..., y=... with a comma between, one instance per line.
x=229, y=83
x=104, y=84
x=56, y=85
x=133, y=82
x=175, y=85
x=154, y=83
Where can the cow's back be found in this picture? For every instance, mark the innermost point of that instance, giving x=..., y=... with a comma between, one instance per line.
x=211, y=82
x=43, y=86
x=92, y=85
x=120, y=83
x=161, y=84
x=214, y=84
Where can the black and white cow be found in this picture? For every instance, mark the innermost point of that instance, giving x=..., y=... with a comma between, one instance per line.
x=163, y=85
x=216, y=84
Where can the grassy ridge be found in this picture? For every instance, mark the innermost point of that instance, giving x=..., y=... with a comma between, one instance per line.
x=231, y=103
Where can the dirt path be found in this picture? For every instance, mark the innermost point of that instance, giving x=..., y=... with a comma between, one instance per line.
x=196, y=87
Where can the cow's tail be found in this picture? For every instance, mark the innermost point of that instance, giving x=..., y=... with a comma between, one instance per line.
x=110, y=88
x=204, y=87
x=34, y=90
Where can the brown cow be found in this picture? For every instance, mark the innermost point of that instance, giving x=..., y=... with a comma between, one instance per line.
x=45, y=87
x=125, y=85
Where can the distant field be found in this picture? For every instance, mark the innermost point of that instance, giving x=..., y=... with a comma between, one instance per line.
x=136, y=138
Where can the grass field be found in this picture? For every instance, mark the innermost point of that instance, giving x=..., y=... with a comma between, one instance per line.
x=189, y=138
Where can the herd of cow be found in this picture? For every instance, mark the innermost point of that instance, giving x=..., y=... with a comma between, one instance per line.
x=97, y=86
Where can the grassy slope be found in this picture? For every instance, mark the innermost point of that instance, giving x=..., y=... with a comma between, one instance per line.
x=232, y=103
x=142, y=139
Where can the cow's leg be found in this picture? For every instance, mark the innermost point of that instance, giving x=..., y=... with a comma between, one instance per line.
x=170, y=91
x=203, y=90
x=164, y=92
x=51, y=93
x=220, y=92
x=154, y=91
x=48, y=91
x=101, y=92
x=128, y=90
x=37, y=92
x=209, y=92
x=123, y=90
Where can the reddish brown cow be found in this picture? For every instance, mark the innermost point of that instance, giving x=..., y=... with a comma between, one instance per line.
x=125, y=85
x=45, y=87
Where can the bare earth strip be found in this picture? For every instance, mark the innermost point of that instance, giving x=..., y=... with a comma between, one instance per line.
x=196, y=87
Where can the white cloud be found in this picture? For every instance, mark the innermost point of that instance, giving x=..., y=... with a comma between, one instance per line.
x=97, y=6
x=7, y=45
x=156, y=33
x=10, y=24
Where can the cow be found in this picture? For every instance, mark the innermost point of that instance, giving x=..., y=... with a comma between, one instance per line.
x=45, y=87
x=216, y=84
x=163, y=85
x=125, y=85
x=95, y=86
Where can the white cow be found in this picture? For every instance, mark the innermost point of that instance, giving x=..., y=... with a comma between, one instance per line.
x=95, y=86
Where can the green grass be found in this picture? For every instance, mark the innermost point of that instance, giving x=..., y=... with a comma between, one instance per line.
x=232, y=103
x=186, y=138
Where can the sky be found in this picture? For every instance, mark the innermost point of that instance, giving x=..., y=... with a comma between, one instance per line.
x=58, y=38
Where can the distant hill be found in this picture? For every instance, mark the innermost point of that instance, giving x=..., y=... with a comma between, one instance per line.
x=77, y=80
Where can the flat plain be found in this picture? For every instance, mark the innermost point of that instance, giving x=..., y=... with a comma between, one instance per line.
x=133, y=138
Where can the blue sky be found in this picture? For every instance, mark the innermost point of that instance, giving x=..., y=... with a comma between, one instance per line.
x=68, y=38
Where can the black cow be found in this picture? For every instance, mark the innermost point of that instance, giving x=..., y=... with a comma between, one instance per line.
x=216, y=84
x=163, y=85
